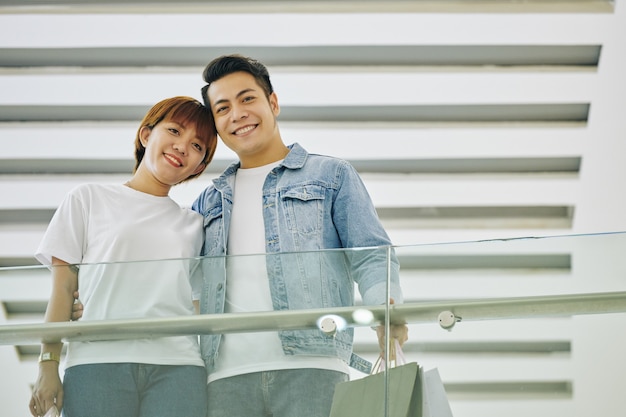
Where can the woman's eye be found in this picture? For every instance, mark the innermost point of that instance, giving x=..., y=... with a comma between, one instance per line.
x=198, y=146
x=174, y=131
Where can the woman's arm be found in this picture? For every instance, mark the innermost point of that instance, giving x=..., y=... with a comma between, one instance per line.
x=48, y=389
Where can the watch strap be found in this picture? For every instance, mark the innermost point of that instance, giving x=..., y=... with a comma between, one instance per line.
x=49, y=356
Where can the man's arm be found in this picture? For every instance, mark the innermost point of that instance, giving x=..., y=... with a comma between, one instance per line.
x=372, y=271
x=361, y=228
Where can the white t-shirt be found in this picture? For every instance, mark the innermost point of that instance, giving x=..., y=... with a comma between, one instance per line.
x=247, y=289
x=102, y=227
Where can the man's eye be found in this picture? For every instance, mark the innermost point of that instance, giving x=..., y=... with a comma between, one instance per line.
x=221, y=109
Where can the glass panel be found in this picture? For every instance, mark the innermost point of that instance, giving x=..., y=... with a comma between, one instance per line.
x=536, y=326
x=516, y=327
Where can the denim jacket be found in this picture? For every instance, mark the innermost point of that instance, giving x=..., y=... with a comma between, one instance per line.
x=313, y=206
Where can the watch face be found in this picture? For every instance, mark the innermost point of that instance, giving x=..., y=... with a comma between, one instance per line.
x=49, y=356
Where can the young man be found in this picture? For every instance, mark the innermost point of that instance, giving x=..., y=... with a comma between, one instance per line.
x=294, y=207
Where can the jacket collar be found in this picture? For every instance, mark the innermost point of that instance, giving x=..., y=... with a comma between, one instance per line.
x=295, y=159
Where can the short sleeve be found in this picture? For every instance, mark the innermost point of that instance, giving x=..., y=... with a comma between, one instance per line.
x=65, y=236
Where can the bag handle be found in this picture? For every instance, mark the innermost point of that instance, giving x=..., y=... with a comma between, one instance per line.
x=396, y=357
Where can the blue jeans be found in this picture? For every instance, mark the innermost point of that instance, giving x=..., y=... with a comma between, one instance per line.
x=284, y=393
x=134, y=390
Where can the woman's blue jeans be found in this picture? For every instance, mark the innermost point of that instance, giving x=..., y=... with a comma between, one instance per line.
x=134, y=390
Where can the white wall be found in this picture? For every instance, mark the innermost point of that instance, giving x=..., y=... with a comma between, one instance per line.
x=386, y=139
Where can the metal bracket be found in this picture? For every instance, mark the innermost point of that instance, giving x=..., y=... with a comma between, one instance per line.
x=331, y=324
x=447, y=320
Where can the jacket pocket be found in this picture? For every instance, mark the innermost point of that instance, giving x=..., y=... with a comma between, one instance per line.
x=304, y=208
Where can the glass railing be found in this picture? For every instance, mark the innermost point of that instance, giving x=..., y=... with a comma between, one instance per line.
x=515, y=327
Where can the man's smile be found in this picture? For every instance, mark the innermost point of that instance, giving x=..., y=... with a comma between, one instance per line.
x=244, y=130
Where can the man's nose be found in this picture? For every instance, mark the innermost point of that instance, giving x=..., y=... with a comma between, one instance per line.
x=239, y=112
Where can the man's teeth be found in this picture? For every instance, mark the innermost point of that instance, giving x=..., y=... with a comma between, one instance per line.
x=244, y=130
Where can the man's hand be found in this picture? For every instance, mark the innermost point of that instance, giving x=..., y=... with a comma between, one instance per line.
x=77, y=308
x=399, y=332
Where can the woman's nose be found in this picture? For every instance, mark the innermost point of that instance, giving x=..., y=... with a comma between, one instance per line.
x=180, y=147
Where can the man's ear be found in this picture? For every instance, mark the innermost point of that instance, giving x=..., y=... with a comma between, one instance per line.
x=144, y=133
x=273, y=99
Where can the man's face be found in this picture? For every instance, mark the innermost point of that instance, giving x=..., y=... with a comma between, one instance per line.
x=244, y=117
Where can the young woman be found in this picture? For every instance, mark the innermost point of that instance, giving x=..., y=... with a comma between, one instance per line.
x=92, y=237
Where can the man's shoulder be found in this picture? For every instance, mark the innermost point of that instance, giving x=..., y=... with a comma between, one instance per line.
x=207, y=198
x=326, y=164
x=299, y=157
x=315, y=158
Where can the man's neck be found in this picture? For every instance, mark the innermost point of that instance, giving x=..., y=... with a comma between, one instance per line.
x=266, y=158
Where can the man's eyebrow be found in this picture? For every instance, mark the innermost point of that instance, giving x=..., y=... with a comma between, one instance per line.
x=242, y=92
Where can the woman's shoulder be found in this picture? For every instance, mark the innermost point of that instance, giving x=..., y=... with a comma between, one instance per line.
x=95, y=189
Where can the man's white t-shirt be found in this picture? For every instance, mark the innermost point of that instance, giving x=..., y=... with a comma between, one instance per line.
x=102, y=227
x=247, y=288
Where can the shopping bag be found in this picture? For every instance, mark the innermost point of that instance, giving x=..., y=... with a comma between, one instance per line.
x=434, y=398
x=365, y=397
x=411, y=393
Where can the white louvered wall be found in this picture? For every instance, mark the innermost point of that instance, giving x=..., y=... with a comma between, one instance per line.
x=468, y=120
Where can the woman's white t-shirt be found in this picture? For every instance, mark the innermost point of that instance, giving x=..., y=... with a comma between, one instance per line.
x=133, y=249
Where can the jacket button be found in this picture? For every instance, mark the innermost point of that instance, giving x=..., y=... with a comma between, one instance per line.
x=219, y=286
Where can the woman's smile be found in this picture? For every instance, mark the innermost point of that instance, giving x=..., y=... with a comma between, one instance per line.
x=173, y=160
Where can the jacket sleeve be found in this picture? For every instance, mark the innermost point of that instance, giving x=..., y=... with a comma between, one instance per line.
x=358, y=226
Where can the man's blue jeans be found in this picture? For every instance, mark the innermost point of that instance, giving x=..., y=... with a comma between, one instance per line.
x=134, y=390
x=284, y=393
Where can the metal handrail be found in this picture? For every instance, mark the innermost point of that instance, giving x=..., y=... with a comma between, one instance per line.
x=422, y=312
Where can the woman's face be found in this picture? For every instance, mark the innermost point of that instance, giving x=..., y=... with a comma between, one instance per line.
x=174, y=152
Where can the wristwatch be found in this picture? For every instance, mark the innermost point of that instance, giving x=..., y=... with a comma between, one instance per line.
x=49, y=356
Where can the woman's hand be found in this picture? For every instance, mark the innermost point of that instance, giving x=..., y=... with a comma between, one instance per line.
x=48, y=389
x=77, y=307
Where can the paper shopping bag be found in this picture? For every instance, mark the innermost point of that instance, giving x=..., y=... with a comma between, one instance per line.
x=365, y=397
x=434, y=398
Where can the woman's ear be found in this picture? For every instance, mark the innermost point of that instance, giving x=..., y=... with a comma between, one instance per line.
x=144, y=133
x=199, y=169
